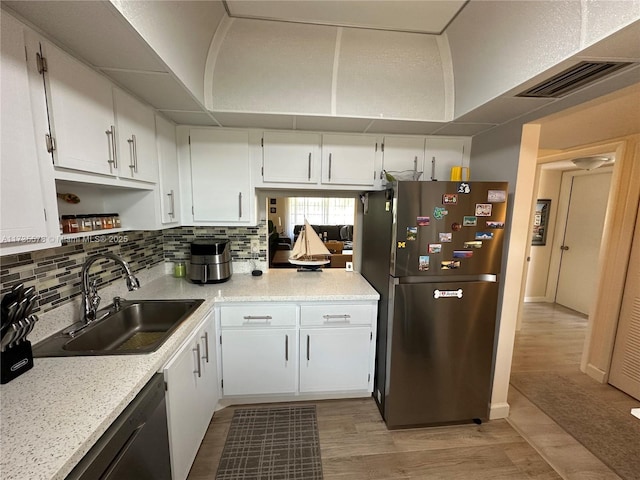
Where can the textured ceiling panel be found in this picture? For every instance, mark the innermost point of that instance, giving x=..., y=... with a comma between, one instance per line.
x=501, y=110
x=390, y=75
x=332, y=124
x=274, y=67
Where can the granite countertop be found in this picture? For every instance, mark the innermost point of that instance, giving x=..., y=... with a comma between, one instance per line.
x=52, y=415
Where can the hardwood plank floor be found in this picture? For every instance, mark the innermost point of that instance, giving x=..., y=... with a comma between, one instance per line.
x=356, y=444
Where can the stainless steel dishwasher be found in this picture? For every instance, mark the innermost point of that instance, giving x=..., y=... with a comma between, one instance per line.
x=136, y=445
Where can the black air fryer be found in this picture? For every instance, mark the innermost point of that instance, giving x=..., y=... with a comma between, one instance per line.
x=210, y=261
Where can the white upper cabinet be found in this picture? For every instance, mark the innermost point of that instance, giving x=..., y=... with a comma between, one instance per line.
x=220, y=176
x=136, y=138
x=403, y=154
x=290, y=157
x=22, y=211
x=81, y=114
x=169, y=171
x=444, y=153
x=349, y=159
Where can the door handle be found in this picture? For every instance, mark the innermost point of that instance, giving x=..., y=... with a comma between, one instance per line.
x=564, y=247
x=132, y=154
x=309, y=168
x=206, y=346
x=329, y=167
x=286, y=348
x=197, y=350
x=308, y=345
x=111, y=141
x=240, y=204
x=172, y=212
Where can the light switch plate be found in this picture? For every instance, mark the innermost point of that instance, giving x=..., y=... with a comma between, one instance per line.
x=349, y=267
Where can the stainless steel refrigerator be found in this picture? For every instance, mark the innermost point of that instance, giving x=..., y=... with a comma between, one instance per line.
x=433, y=252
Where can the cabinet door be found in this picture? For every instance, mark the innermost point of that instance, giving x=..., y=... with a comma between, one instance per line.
x=169, y=171
x=209, y=367
x=185, y=393
x=335, y=359
x=403, y=154
x=444, y=153
x=258, y=361
x=80, y=114
x=290, y=157
x=220, y=176
x=22, y=203
x=348, y=159
x=136, y=134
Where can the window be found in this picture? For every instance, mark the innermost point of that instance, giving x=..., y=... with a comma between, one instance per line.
x=320, y=211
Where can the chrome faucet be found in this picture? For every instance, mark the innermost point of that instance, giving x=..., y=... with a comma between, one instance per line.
x=90, y=297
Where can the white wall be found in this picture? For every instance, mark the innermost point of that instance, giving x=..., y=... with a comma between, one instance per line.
x=540, y=255
x=179, y=32
x=498, y=45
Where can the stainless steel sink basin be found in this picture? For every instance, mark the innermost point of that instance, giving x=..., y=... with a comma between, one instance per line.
x=137, y=327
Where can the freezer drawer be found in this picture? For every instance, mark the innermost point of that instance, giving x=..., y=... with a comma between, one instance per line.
x=439, y=352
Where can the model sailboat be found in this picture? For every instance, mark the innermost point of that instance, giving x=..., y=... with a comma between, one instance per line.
x=309, y=251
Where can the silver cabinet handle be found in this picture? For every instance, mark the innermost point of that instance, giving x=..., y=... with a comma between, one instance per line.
x=309, y=168
x=197, y=350
x=132, y=162
x=336, y=318
x=329, y=167
x=135, y=153
x=240, y=204
x=286, y=348
x=111, y=141
x=206, y=346
x=172, y=211
x=308, y=347
x=251, y=318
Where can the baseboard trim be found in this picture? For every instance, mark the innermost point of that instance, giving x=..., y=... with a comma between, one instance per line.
x=595, y=373
x=499, y=410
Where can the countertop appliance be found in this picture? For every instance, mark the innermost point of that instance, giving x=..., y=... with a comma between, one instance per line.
x=210, y=261
x=433, y=252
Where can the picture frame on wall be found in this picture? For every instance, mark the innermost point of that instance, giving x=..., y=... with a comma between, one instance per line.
x=541, y=222
x=272, y=210
x=273, y=201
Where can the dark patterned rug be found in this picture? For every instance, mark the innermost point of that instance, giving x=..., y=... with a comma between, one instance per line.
x=279, y=443
x=608, y=433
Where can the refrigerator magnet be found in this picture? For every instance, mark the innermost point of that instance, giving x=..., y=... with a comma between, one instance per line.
x=495, y=224
x=473, y=244
x=449, y=264
x=423, y=262
x=423, y=221
x=444, y=237
x=439, y=212
x=469, y=221
x=456, y=227
x=484, y=235
x=435, y=247
x=462, y=253
x=483, y=209
x=450, y=199
x=402, y=244
x=412, y=233
x=496, y=196
x=464, y=188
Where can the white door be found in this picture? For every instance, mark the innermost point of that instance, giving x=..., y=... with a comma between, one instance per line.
x=403, y=154
x=22, y=207
x=335, y=359
x=348, y=159
x=81, y=115
x=625, y=364
x=290, y=157
x=220, y=175
x=258, y=361
x=169, y=172
x=581, y=245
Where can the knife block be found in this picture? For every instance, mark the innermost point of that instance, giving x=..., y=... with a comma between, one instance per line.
x=15, y=361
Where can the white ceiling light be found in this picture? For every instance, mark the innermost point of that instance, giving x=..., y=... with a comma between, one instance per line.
x=590, y=163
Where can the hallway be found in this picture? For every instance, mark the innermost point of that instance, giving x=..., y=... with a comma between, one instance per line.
x=551, y=341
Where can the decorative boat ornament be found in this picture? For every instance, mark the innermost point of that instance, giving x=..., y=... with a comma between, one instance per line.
x=309, y=252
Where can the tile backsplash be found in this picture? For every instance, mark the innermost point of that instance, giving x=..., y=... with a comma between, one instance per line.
x=55, y=272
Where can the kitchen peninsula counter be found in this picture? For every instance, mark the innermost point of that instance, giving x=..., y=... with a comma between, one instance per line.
x=53, y=414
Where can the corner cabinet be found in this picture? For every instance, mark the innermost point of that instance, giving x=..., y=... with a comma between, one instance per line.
x=221, y=185
x=192, y=394
x=295, y=349
x=349, y=159
x=169, y=177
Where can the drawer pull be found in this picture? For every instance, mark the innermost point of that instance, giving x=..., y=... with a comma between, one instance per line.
x=337, y=318
x=264, y=318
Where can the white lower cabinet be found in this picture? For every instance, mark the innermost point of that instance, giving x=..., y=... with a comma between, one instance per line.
x=259, y=361
x=192, y=394
x=335, y=359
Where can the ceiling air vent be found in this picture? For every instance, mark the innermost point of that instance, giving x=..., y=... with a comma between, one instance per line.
x=572, y=79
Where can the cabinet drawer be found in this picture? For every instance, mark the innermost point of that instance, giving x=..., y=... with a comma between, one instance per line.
x=335, y=315
x=259, y=315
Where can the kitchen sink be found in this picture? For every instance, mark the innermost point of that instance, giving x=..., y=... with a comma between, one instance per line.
x=138, y=326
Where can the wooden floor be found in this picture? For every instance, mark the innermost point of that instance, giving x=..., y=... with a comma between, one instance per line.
x=356, y=445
